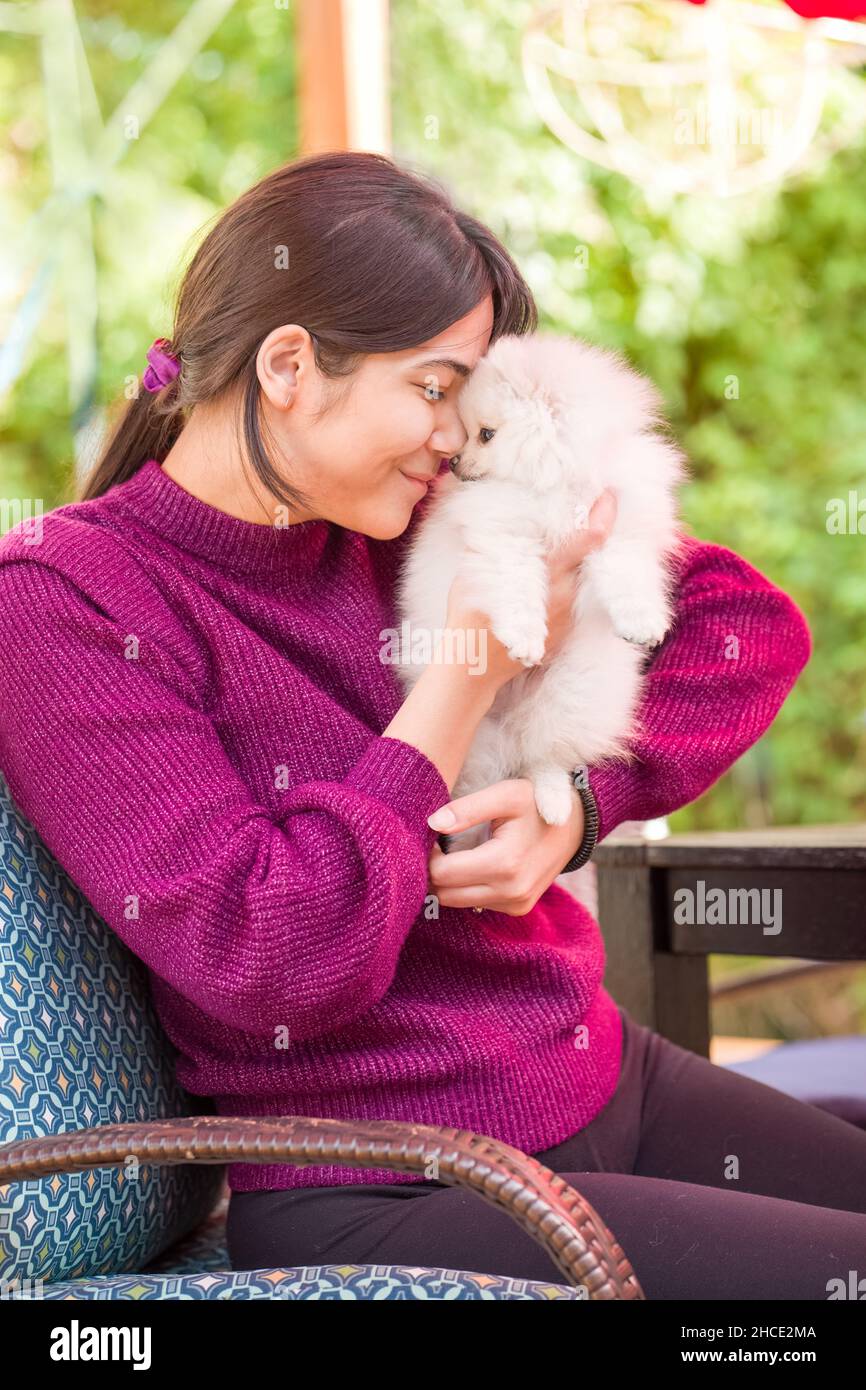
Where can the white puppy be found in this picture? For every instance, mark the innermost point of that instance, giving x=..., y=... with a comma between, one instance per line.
x=551, y=423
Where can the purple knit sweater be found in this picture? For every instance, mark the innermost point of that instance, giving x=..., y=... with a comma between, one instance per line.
x=191, y=709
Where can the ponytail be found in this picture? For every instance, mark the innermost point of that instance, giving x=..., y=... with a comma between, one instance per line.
x=148, y=427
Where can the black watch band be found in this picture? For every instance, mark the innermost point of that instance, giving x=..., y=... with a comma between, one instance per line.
x=580, y=778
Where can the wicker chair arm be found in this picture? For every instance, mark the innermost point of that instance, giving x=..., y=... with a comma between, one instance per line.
x=553, y=1213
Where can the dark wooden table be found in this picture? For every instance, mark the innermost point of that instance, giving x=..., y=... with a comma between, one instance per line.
x=813, y=882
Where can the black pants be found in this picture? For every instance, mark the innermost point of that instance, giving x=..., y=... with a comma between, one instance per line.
x=716, y=1186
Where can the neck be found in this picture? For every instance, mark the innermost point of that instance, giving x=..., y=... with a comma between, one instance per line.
x=207, y=463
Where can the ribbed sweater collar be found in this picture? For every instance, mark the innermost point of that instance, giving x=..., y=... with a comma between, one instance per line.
x=162, y=505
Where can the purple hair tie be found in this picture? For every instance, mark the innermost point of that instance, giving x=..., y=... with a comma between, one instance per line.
x=163, y=368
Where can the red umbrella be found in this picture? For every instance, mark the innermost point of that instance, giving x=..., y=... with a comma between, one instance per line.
x=821, y=9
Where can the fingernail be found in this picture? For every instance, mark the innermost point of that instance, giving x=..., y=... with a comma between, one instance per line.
x=441, y=819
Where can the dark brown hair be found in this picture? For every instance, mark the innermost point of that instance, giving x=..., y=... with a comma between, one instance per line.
x=367, y=255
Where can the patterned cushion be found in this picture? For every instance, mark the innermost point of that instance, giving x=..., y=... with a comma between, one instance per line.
x=203, y=1262
x=319, y=1282
x=203, y=1249
x=80, y=1045
x=198, y=1267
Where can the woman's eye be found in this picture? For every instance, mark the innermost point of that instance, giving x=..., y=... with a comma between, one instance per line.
x=486, y=435
x=432, y=393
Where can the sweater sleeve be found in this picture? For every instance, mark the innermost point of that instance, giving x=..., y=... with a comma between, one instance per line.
x=262, y=921
x=712, y=688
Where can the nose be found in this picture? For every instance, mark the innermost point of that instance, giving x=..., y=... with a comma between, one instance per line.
x=454, y=463
x=450, y=437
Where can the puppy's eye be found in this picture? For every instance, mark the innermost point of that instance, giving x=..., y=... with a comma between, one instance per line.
x=485, y=436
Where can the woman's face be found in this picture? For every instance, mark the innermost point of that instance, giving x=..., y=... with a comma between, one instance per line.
x=396, y=416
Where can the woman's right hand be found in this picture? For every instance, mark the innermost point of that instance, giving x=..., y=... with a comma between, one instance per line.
x=563, y=568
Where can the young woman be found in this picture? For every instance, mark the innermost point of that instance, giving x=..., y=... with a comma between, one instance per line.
x=197, y=718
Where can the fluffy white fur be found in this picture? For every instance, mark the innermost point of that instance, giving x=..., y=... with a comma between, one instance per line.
x=570, y=420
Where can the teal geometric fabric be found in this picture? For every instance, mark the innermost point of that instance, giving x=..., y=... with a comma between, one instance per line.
x=201, y=1269
x=80, y=1045
x=205, y=1248
x=322, y=1283
x=198, y=1267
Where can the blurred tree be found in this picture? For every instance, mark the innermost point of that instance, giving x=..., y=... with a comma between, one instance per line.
x=749, y=314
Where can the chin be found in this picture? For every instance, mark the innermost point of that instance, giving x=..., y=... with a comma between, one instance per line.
x=386, y=526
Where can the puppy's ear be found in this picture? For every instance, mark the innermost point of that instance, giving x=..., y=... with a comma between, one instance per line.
x=503, y=385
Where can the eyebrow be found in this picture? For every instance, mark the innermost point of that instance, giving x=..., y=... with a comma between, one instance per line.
x=449, y=362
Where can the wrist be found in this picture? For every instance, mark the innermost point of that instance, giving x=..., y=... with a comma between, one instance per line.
x=589, y=837
x=469, y=645
x=462, y=683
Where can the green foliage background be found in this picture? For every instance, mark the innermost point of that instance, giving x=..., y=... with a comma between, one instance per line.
x=770, y=290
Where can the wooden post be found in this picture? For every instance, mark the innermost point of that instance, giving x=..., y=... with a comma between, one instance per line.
x=343, y=75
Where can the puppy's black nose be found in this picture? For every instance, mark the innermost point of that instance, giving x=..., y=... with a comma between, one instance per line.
x=454, y=462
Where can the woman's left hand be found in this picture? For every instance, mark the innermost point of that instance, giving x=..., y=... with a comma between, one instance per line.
x=522, y=857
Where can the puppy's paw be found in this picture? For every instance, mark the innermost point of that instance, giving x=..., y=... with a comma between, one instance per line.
x=554, y=796
x=523, y=640
x=644, y=624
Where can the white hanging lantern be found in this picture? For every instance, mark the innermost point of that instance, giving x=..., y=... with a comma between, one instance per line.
x=721, y=99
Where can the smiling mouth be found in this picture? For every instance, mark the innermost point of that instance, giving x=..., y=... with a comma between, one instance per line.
x=423, y=484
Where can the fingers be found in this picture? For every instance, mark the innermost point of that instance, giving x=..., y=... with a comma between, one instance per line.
x=466, y=868
x=479, y=895
x=602, y=516
x=599, y=525
x=465, y=878
x=507, y=798
x=472, y=878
